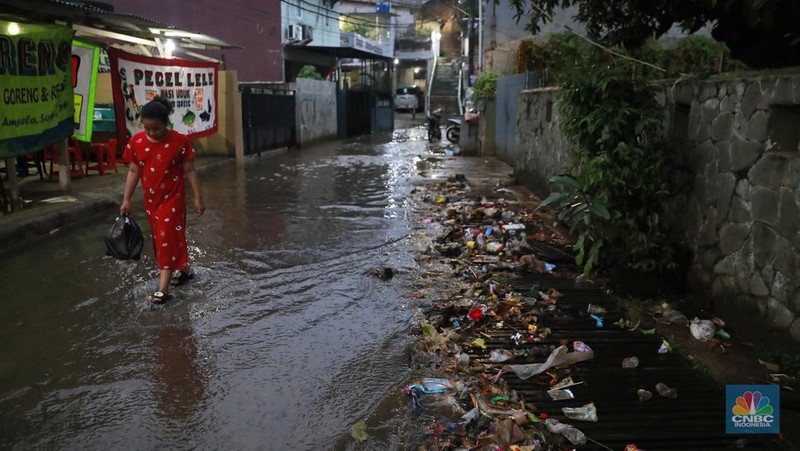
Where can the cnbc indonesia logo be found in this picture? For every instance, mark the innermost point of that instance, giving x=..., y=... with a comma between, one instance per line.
x=754, y=409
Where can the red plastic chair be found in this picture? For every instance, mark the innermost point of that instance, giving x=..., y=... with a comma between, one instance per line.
x=104, y=155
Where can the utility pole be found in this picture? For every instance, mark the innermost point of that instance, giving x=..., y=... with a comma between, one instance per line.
x=480, y=36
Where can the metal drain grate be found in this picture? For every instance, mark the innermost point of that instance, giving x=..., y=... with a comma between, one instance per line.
x=694, y=420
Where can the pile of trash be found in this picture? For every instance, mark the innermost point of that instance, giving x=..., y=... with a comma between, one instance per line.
x=482, y=329
x=498, y=361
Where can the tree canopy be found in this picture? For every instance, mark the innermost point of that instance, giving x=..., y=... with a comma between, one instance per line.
x=761, y=33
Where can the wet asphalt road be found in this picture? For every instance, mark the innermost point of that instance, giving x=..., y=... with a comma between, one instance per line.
x=283, y=341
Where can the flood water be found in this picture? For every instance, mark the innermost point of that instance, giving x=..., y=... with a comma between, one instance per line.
x=283, y=341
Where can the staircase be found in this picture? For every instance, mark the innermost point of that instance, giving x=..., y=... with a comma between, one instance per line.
x=444, y=90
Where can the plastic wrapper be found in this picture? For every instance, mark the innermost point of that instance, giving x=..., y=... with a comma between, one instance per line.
x=596, y=309
x=471, y=416
x=558, y=358
x=432, y=384
x=500, y=356
x=573, y=434
x=124, y=240
x=644, y=395
x=630, y=362
x=463, y=359
x=494, y=247
x=561, y=395
x=564, y=383
x=586, y=412
x=580, y=346
x=671, y=316
x=513, y=227
x=702, y=330
x=666, y=391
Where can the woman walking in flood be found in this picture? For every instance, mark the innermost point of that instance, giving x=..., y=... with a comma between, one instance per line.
x=162, y=159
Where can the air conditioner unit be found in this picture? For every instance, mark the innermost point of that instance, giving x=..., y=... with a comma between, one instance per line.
x=308, y=32
x=294, y=32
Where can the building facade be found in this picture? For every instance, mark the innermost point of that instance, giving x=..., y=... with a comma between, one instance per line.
x=255, y=25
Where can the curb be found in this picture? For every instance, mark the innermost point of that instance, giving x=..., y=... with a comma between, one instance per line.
x=45, y=225
x=25, y=231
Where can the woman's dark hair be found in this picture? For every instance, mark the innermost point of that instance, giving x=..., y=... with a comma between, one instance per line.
x=158, y=108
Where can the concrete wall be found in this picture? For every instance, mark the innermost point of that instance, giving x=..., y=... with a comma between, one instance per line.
x=322, y=17
x=229, y=118
x=487, y=132
x=737, y=187
x=255, y=25
x=316, y=110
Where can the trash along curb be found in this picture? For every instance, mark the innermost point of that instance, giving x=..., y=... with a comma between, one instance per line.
x=500, y=360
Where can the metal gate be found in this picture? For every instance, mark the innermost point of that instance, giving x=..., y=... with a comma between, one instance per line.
x=355, y=110
x=268, y=116
x=507, y=95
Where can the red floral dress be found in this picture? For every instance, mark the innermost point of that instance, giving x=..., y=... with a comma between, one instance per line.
x=161, y=172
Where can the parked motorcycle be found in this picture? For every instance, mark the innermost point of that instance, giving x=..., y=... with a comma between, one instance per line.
x=453, y=132
x=434, y=126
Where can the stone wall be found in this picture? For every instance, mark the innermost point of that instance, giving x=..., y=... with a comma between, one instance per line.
x=315, y=103
x=737, y=186
x=738, y=190
x=540, y=148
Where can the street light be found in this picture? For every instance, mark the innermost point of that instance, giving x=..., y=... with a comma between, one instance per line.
x=13, y=29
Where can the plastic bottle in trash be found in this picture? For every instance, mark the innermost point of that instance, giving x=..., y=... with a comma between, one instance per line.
x=630, y=362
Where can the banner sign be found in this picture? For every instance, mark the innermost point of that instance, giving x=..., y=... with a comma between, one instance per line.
x=85, y=58
x=191, y=86
x=36, y=105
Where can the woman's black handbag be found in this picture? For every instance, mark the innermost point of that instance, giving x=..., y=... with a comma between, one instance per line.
x=124, y=240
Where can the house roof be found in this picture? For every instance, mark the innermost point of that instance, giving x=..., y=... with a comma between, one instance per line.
x=98, y=20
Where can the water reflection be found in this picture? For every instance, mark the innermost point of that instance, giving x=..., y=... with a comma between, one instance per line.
x=179, y=382
x=283, y=341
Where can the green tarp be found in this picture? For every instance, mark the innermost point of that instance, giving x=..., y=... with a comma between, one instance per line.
x=36, y=95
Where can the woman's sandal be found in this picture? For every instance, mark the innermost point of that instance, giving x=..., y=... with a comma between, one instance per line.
x=180, y=277
x=159, y=297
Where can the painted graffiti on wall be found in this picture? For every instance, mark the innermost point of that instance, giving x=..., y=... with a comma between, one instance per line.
x=316, y=110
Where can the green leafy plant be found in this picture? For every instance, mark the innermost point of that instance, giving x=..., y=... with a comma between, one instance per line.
x=696, y=55
x=309, y=71
x=760, y=32
x=583, y=214
x=613, y=197
x=485, y=85
x=701, y=55
x=560, y=52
